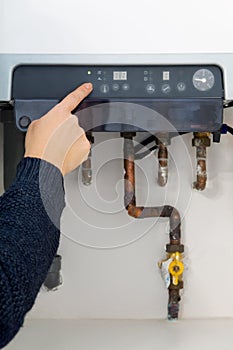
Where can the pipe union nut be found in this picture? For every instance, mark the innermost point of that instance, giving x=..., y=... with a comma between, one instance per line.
x=201, y=141
x=172, y=248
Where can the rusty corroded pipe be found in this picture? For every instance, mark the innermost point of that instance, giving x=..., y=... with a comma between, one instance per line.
x=86, y=165
x=145, y=212
x=163, y=164
x=201, y=140
x=87, y=171
x=200, y=183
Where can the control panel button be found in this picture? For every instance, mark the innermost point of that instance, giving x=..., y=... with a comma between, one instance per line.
x=115, y=87
x=166, y=88
x=181, y=86
x=24, y=121
x=150, y=88
x=104, y=88
x=125, y=87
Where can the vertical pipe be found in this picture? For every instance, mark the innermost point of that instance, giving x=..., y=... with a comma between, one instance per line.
x=163, y=139
x=163, y=164
x=200, y=183
x=201, y=140
x=87, y=171
x=86, y=165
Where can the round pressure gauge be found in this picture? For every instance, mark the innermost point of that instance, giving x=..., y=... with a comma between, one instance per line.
x=203, y=79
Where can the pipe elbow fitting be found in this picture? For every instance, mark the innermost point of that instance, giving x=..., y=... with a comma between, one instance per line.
x=134, y=211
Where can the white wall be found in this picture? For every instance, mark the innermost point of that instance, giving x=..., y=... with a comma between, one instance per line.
x=124, y=334
x=115, y=26
x=124, y=282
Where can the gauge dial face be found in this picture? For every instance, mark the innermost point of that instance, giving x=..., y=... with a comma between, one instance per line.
x=203, y=79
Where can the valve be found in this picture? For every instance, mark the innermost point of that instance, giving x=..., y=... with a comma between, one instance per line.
x=171, y=270
x=176, y=268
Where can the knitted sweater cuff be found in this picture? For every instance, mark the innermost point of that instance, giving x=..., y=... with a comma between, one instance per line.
x=41, y=175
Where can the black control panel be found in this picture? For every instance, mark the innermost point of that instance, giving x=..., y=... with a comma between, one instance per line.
x=125, y=98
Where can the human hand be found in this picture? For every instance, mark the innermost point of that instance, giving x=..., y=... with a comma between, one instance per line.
x=57, y=137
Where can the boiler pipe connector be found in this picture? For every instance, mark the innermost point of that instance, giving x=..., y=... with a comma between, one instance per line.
x=201, y=140
x=86, y=165
x=162, y=141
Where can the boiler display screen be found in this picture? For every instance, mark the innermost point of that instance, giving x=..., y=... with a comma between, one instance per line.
x=119, y=75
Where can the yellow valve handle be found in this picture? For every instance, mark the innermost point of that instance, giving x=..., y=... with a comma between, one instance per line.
x=176, y=269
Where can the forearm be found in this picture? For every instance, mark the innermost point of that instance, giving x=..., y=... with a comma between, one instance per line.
x=29, y=237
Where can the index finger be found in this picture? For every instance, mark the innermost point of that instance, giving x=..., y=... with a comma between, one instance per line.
x=71, y=101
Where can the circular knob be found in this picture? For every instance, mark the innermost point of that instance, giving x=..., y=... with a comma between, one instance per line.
x=104, y=88
x=125, y=87
x=24, y=121
x=166, y=88
x=150, y=88
x=115, y=87
x=181, y=86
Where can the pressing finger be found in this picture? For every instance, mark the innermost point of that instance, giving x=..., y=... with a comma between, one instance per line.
x=71, y=101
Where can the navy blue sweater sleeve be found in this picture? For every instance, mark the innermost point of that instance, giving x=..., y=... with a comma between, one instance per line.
x=30, y=213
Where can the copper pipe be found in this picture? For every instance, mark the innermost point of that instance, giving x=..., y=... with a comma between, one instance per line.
x=87, y=171
x=173, y=301
x=146, y=212
x=163, y=164
x=86, y=165
x=201, y=141
x=200, y=183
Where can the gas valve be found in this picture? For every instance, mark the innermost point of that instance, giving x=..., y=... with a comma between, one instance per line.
x=172, y=269
x=176, y=268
